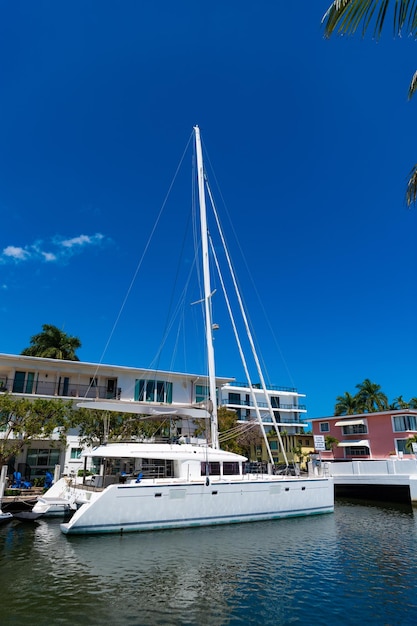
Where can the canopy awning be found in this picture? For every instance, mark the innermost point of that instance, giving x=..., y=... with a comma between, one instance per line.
x=350, y=422
x=356, y=442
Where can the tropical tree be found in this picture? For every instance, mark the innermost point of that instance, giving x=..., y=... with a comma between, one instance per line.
x=410, y=441
x=346, y=404
x=330, y=442
x=237, y=437
x=300, y=456
x=413, y=403
x=23, y=420
x=346, y=16
x=399, y=403
x=370, y=398
x=98, y=427
x=53, y=343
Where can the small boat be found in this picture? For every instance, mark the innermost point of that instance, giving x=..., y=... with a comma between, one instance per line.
x=17, y=504
x=5, y=517
x=26, y=516
x=177, y=485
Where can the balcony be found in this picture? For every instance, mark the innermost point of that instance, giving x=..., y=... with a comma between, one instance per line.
x=58, y=389
x=263, y=405
x=258, y=386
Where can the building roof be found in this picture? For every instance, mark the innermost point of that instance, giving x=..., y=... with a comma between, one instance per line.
x=363, y=415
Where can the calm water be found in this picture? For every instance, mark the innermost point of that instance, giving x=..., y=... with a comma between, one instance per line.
x=356, y=566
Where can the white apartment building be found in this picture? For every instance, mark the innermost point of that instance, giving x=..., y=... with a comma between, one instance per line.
x=26, y=376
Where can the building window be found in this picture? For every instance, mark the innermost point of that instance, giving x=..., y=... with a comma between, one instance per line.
x=355, y=429
x=357, y=451
x=275, y=402
x=234, y=398
x=153, y=391
x=41, y=460
x=202, y=393
x=401, y=446
x=76, y=454
x=150, y=391
x=324, y=427
x=404, y=422
x=273, y=445
x=23, y=382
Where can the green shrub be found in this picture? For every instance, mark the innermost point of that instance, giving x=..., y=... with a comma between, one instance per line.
x=82, y=472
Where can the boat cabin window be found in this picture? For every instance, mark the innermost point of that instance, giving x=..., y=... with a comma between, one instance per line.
x=150, y=468
x=157, y=468
x=230, y=469
x=210, y=469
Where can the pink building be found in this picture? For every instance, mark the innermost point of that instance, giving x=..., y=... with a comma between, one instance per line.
x=369, y=435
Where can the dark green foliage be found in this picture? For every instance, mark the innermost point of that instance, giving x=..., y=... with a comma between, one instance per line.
x=53, y=343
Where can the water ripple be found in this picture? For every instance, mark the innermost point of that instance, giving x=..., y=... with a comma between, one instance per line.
x=355, y=566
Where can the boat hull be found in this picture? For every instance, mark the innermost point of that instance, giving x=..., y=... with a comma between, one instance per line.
x=142, y=507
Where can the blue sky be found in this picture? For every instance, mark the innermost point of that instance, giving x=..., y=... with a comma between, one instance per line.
x=311, y=142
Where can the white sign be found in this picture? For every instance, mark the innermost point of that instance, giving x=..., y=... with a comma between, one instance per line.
x=319, y=443
x=414, y=447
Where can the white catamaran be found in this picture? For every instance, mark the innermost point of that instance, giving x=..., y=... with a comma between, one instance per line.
x=176, y=485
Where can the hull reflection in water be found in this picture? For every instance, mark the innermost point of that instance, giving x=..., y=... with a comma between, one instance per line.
x=356, y=566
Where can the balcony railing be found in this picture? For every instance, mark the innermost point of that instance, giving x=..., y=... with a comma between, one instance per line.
x=258, y=386
x=280, y=421
x=264, y=405
x=61, y=389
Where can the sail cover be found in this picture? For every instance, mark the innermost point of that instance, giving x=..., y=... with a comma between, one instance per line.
x=146, y=408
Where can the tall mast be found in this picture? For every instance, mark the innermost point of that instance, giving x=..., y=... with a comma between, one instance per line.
x=207, y=290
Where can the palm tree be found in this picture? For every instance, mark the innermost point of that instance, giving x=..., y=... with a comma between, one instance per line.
x=345, y=17
x=345, y=405
x=410, y=441
x=399, y=403
x=53, y=343
x=331, y=442
x=413, y=403
x=370, y=398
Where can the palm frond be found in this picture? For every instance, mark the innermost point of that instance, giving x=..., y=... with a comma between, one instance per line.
x=411, y=193
x=413, y=86
x=345, y=16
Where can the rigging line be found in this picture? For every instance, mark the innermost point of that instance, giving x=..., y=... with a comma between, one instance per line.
x=239, y=345
x=176, y=312
x=229, y=434
x=161, y=210
x=241, y=427
x=260, y=300
x=179, y=306
x=249, y=335
x=173, y=313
